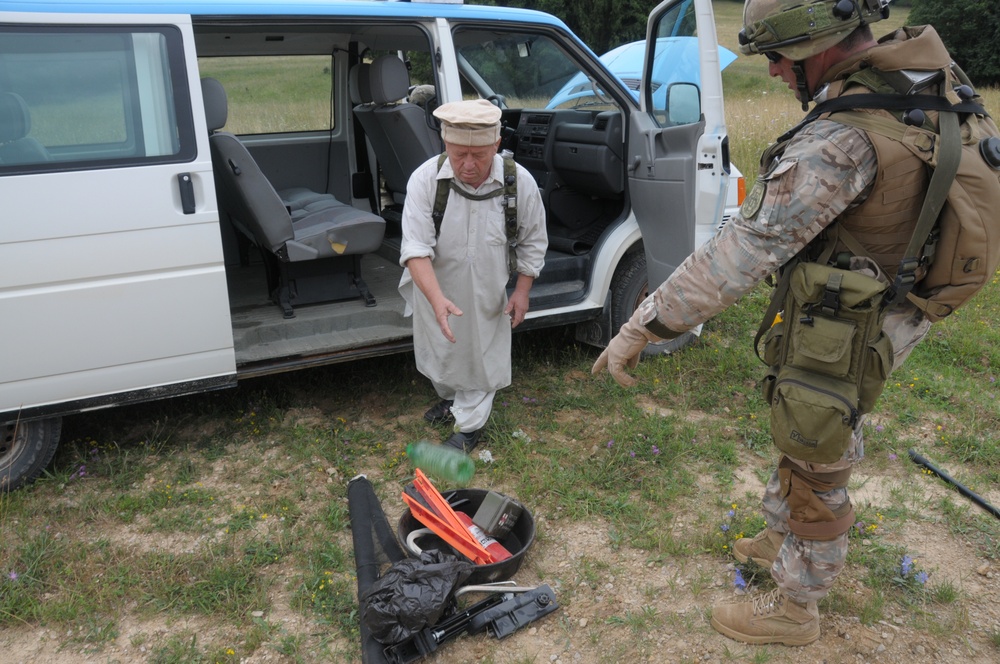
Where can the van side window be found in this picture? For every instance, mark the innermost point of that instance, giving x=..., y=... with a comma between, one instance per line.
x=274, y=94
x=92, y=98
x=674, y=91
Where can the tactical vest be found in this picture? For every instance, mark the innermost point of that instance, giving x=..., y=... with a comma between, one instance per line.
x=885, y=221
x=943, y=234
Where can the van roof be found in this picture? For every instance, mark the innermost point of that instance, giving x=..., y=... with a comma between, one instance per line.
x=333, y=8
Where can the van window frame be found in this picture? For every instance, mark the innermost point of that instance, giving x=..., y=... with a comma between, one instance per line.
x=182, y=115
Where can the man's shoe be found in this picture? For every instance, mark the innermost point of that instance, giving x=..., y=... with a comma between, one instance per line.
x=762, y=549
x=464, y=441
x=769, y=617
x=440, y=412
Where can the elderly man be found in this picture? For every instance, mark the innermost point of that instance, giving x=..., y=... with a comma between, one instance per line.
x=462, y=317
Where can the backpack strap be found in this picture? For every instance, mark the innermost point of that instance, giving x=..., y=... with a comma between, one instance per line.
x=440, y=197
x=510, y=210
x=509, y=203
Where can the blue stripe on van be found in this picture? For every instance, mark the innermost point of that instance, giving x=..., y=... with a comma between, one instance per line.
x=333, y=8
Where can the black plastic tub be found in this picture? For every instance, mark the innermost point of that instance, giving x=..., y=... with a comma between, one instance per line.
x=517, y=541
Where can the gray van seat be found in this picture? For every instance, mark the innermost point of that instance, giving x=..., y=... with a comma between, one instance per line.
x=16, y=147
x=405, y=140
x=307, y=228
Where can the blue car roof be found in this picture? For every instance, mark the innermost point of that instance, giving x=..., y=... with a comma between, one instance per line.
x=333, y=8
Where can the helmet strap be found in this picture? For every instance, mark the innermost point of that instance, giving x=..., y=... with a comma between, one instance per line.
x=805, y=96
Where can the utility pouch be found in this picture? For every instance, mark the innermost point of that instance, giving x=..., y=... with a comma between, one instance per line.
x=828, y=358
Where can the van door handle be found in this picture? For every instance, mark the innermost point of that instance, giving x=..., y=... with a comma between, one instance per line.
x=186, y=187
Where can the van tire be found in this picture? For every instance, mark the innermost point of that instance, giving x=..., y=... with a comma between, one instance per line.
x=629, y=287
x=26, y=448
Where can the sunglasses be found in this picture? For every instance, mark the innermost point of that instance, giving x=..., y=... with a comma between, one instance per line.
x=773, y=56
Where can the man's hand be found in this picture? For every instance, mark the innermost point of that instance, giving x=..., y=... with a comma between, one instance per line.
x=623, y=351
x=442, y=309
x=517, y=304
x=422, y=273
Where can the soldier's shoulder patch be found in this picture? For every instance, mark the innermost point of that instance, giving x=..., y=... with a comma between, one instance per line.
x=753, y=201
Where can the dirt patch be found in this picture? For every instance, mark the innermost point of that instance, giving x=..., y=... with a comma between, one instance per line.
x=617, y=603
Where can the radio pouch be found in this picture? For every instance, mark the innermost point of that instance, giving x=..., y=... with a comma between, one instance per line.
x=827, y=356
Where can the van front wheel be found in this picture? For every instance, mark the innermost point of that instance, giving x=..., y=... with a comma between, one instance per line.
x=26, y=448
x=629, y=288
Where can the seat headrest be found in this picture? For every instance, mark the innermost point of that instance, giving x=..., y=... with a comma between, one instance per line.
x=216, y=105
x=15, y=121
x=359, y=83
x=390, y=81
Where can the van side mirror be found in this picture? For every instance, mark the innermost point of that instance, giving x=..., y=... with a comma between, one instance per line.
x=683, y=103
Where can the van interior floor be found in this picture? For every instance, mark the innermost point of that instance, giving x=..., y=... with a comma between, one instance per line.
x=261, y=333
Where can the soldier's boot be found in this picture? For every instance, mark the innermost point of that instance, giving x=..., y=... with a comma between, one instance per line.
x=762, y=549
x=769, y=617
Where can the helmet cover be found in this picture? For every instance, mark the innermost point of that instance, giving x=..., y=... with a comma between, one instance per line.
x=798, y=29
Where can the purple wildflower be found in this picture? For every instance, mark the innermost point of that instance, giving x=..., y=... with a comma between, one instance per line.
x=731, y=513
x=13, y=576
x=724, y=527
x=632, y=454
x=656, y=450
x=892, y=457
x=921, y=577
x=906, y=565
x=739, y=581
x=610, y=443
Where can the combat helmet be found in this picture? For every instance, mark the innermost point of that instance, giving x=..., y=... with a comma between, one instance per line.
x=798, y=29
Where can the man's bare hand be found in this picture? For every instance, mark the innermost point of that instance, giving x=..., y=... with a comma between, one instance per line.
x=517, y=307
x=442, y=311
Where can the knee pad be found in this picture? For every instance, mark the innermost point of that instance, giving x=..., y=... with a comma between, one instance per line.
x=809, y=517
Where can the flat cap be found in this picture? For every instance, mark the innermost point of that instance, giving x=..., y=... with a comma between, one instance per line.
x=471, y=122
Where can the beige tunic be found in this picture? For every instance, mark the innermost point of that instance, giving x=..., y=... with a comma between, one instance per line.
x=470, y=263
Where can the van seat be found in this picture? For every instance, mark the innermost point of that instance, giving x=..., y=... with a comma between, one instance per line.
x=16, y=146
x=306, y=227
x=402, y=140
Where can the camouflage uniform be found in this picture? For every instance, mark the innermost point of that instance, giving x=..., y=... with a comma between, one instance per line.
x=825, y=170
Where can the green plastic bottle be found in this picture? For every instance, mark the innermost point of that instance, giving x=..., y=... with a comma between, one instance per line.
x=443, y=462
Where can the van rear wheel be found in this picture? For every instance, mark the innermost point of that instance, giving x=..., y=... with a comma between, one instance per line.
x=26, y=448
x=629, y=287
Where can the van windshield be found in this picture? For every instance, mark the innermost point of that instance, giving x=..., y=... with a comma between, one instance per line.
x=525, y=70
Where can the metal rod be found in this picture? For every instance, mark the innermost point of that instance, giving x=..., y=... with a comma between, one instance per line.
x=968, y=493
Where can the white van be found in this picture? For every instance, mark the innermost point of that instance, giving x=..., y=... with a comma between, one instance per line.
x=199, y=191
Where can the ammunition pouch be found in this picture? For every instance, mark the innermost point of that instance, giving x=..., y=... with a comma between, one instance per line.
x=828, y=358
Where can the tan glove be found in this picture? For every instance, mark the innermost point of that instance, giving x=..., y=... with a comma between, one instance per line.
x=624, y=349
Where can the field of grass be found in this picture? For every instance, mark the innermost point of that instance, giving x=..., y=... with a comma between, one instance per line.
x=216, y=529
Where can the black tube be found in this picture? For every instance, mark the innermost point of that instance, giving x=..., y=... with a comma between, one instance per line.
x=971, y=495
x=368, y=524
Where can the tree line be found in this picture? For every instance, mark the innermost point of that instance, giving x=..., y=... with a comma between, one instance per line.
x=969, y=28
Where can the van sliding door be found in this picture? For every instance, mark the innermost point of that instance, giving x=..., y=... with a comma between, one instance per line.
x=112, y=286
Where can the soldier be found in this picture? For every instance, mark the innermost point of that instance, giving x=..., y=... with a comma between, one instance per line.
x=827, y=173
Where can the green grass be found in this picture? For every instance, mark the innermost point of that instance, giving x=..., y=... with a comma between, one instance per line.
x=229, y=509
